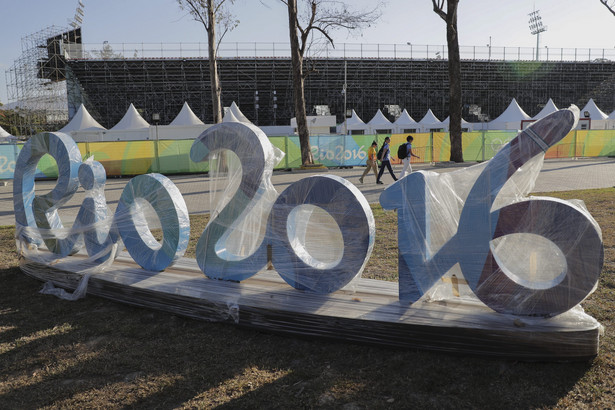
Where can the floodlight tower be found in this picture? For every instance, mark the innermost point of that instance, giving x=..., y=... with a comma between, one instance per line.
x=77, y=20
x=536, y=28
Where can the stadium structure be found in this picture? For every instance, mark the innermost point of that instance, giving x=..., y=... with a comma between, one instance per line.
x=257, y=77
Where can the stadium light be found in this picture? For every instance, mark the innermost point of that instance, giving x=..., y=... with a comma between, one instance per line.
x=536, y=27
x=489, y=45
x=79, y=15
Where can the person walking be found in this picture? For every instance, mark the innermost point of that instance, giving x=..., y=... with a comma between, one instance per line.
x=385, y=161
x=407, y=167
x=372, y=161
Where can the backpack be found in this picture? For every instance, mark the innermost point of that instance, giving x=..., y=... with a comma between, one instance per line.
x=380, y=153
x=402, y=151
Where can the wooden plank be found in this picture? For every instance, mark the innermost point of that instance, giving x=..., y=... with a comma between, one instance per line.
x=371, y=314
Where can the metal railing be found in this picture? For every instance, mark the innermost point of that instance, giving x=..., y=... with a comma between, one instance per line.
x=342, y=50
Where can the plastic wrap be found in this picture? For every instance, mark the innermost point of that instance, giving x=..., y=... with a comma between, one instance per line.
x=311, y=251
x=95, y=228
x=231, y=246
x=519, y=255
x=475, y=253
x=370, y=314
x=319, y=232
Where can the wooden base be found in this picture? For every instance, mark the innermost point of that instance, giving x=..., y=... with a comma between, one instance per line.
x=371, y=314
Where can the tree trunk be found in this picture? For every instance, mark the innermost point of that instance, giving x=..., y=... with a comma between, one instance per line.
x=298, y=94
x=216, y=90
x=454, y=75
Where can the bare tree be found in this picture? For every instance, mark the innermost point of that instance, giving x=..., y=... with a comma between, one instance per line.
x=316, y=18
x=609, y=4
x=454, y=73
x=213, y=15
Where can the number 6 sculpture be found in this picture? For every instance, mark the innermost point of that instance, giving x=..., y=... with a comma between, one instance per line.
x=573, y=232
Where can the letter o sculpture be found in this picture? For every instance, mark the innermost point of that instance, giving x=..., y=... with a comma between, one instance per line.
x=170, y=207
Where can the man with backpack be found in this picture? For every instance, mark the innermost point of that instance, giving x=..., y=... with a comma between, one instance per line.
x=405, y=154
x=384, y=155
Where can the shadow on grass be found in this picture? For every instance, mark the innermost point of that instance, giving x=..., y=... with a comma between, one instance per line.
x=97, y=353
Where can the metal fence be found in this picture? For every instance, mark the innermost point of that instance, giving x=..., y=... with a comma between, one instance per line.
x=342, y=50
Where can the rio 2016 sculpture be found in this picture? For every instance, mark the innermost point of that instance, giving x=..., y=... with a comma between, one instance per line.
x=441, y=227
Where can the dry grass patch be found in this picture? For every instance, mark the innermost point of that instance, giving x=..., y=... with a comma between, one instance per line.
x=97, y=353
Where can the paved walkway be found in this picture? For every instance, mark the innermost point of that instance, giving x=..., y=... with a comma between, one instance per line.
x=556, y=175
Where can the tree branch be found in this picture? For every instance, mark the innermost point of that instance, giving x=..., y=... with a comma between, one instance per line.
x=219, y=6
x=611, y=8
x=325, y=16
x=324, y=33
x=194, y=8
x=438, y=7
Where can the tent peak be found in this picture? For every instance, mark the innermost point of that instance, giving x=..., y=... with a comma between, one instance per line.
x=429, y=118
x=132, y=120
x=186, y=117
x=82, y=120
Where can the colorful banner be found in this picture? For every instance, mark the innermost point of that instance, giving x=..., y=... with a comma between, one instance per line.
x=121, y=158
x=8, y=155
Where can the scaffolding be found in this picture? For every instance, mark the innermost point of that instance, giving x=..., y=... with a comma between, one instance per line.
x=262, y=87
x=57, y=72
x=36, y=81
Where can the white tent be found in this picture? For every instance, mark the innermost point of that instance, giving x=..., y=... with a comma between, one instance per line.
x=230, y=117
x=132, y=127
x=379, y=124
x=510, y=119
x=316, y=124
x=5, y=136
x=186, y=117
x=430, y=122
x=465, y=126
x=405, y=123
x=186, y=125
x=277, y=130
x=356, y=124
x=132, y=120
x=594, y=112
x=238, y=114
x=82, y=121
x=549, y=108
x=3, y=133
x=593, y=117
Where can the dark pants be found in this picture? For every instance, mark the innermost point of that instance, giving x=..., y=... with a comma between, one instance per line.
x=388, y=165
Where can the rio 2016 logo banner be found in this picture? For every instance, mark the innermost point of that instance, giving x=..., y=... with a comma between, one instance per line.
x=7, y=161
x=333, y=151
x=443, y=226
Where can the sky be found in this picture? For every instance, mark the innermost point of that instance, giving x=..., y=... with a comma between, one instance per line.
x=569, y=23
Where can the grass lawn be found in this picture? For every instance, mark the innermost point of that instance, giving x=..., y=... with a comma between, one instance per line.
x=98, y=353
